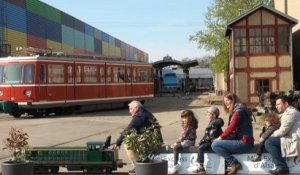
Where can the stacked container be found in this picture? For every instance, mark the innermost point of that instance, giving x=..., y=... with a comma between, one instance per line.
x=32, y=23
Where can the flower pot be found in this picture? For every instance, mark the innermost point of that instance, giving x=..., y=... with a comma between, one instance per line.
x=157, y=167
x=17, y=168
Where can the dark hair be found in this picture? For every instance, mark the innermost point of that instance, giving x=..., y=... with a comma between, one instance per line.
x=272, y=118
x=191, y=119
x=234, y=98
x=283, y=98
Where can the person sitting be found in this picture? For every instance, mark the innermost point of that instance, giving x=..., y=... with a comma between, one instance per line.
x=238, y=136
x=141, y=118
x=285, y=141
x=212, y=131
x=272, y=123
x=187, y=137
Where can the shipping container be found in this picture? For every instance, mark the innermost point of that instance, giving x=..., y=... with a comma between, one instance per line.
x=20, y=3
x=79, y=39
x=54, y=46
x=97, y=46
x=67, y=35
x=36, y=42
x=89, y=30
x=53, y=14
x=33, y=23
x=17, y=41
x=16, y=18
x=36, y=25
x=53, y=31
x=79, y=25
x=89, y=43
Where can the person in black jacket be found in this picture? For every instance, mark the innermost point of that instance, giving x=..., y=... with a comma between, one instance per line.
x=272, y=123
x=141, y=118
x=212, y=131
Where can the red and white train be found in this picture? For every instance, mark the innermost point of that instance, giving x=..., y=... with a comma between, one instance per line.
x=39, y=85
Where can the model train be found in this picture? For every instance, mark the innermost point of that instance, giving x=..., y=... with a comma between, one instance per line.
x=94, y=158
x=39, y=85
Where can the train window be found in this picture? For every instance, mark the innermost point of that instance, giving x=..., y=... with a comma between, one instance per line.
x=143, y=75
x=90, y=74
x=42, y=74
x=134, y=75
x=128, y=75
x=13, y=74
x=102, y=75
x=108, y=75
x=56, y=73
x=29, y=73
x=1, y=74
x=70, y=74
x=119, y=74
x=78, y=74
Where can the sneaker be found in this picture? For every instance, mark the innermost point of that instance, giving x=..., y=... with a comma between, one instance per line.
x=279, y=171
x=256, y=159
x=131, y=172
x=234, y=168
x=174, y=169
x=200, y=170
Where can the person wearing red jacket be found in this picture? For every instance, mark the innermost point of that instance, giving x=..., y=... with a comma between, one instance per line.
x=238, y=136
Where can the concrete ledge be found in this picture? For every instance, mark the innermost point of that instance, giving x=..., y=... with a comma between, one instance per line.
x=215, y=164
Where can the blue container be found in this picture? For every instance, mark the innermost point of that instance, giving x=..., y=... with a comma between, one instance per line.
x=53, y=31
x=16, y=18
x=67, y=35
x=89, y=30
x=36, y=25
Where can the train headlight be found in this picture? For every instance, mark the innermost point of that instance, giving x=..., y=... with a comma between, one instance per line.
x=1, y=93
x=27, y=93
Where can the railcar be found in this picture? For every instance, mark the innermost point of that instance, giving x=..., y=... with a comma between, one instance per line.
x=96, y=157
x=39, y=85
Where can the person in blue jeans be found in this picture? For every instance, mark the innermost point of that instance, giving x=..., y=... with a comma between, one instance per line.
x=285, y=141
x=212, y=131
x=238, y=136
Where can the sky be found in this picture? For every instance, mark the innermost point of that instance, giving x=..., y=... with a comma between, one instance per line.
x=158, y=27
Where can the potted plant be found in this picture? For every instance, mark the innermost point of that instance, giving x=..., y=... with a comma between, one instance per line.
x=16, y=143
x=146, y=144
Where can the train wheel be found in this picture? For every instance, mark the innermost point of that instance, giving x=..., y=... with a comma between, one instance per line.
x=16, y=114
x=55, y=169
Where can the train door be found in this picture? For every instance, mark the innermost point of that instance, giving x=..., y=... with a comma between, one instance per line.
x=42, y=83
x=56, y=89
x=128, y=84
x=70, y=82
x=102, y=91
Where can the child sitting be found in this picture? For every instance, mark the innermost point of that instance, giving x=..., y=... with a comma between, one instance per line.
x=272, y=123
x=212, y=131
x=187, y=137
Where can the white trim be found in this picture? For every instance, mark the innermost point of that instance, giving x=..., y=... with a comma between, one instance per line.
x=82, y=100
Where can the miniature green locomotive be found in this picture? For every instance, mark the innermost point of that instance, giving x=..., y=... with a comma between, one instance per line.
x=94, y=158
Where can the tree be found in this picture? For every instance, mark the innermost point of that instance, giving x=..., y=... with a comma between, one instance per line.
x=216, y=19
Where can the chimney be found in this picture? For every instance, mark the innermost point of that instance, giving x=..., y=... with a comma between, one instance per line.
x=285, y=7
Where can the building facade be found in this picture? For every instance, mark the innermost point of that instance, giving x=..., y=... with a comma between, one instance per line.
x=33, y=24
x=260, y=53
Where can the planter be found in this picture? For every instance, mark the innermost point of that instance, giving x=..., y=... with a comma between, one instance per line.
x=14, y=168
x=157, y=167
